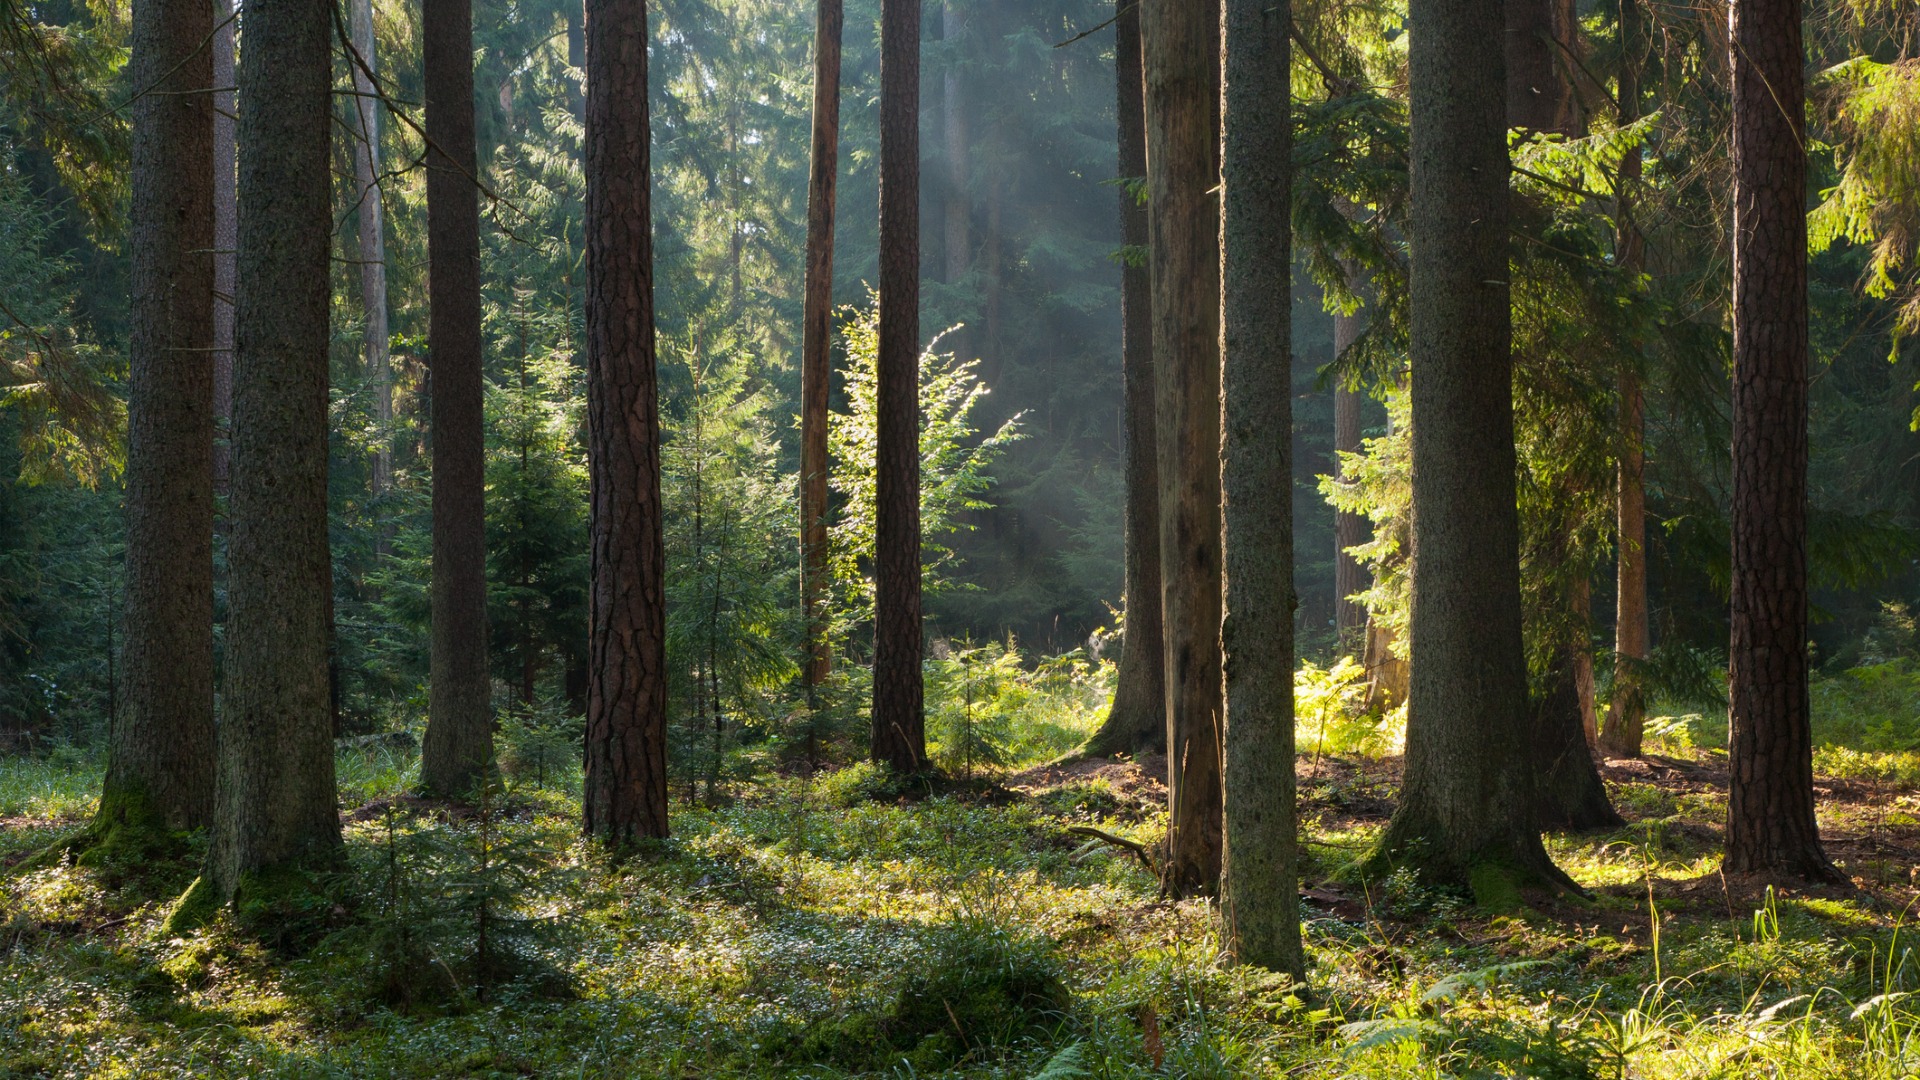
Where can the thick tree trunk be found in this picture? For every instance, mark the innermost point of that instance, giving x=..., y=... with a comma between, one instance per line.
x=1259, y=882
x=225, y=237
x=1181, y=55
x=899, y=719
x=953, y=125
x=1627, y=710
x=276, y=802
x=1771, y=827
x=626, y=754
x=373, y=243
x=816, y=341
x=1136, y=722
x=458, y=747
x=1349, y=529
x=1466, y=814
x=160, y=749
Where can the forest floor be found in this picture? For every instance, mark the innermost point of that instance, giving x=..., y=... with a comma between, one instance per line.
x=835, y=927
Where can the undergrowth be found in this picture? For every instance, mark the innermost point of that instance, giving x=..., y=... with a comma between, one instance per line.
x=844, y=924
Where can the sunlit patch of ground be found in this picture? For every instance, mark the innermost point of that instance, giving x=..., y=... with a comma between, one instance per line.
x=792, y=931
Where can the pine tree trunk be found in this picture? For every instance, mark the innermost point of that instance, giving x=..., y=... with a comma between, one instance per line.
x=160, y=751
x=899, y=720
x=1627, y=710
x=1349, y=529
x=1136, y=722
x=1181, y=55
x=225, y=237
x=458, y=747
x=1466, y=814
x=373, y=244
x=1771, y=828
x=816, y=348
x=276, y=802
x=626, y=752
x=1259, y=876
x=953, y=125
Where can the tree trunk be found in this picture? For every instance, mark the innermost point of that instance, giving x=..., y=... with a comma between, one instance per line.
x=816, y=348
x=276, y=802
x=1540, y=36
x=160, y=751
x=626, y=753
x=225, y=237
x=1349, y=529
x=1259, y=876
x=1771, y=827
x=1136, y=722
x=1627, y=711
x=1466, y=815
x=953, y=125
x=458, y=747
x=373, y=245
x=1572, y=795
x=1181, y=53
x=899, y=719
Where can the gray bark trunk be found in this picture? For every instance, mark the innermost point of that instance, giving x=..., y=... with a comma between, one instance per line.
x=276, y=802
x=160, y=749
x=1466, y=815
x=458, y=745
x=1259, y=890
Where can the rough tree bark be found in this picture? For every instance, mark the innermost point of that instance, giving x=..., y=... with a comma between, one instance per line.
x=1181, y=55
x=1771, y=828
x=1136, y=721
x=373, y=244
x=899, y=713
x=1259, y=882
x=225, y=237
x=816, y=337
x=626, y=753
x=1627, y=711
x=160, y=772
x=1467, y=813
x=458, y=746
x=276, y=797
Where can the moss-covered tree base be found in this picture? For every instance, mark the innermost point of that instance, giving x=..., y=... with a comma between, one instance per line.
x=1500, y=873
x=285, y=907
x=126, y=841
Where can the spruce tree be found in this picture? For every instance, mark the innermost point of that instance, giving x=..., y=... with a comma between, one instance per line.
x=276, y=802
x=160, y=751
